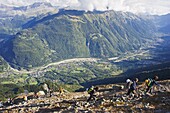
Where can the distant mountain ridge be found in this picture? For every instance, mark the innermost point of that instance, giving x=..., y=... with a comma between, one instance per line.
x=12, y=18
x=163, y=23
x=71, y=34
x=35, y=9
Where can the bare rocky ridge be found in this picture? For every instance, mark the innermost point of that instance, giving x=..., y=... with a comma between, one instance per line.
x=28, y=11
x=110, y=98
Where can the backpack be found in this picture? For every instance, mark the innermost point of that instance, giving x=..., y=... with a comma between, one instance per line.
x=89, y=90
x=148, y=82
x=128, y=83
x=128, y=80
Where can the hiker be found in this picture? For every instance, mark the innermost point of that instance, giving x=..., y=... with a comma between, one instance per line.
x=128, y=83
x=25, y=98
x=150, y=83
x=1, y=104
x=92, y=92
x=133, y=87
x=51, y=92
x=61, y=90
x=46, y=88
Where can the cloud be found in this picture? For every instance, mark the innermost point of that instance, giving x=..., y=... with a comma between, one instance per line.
x=93, y=4
x=135, y=6
x=148, y=6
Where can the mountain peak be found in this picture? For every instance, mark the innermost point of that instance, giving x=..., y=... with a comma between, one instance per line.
x=38, y=4
x=34, y=9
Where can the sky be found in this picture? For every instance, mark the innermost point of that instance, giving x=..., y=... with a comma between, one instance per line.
x=158, y=7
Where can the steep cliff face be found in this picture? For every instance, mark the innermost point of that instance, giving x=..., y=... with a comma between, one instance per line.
x=71, y=34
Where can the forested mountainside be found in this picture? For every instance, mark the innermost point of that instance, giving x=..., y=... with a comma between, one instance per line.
x=3, y=65
x=73, y=34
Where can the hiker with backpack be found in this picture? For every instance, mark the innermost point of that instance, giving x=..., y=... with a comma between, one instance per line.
x=133, y=88
x=128, y=83
x=92, y=92
x=150, y=83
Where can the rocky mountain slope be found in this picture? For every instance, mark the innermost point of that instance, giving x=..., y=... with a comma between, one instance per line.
x=12, y=17
x=32, y=10
x=110, y=98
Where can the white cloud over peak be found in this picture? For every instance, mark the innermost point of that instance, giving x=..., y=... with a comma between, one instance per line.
x=135, y=6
